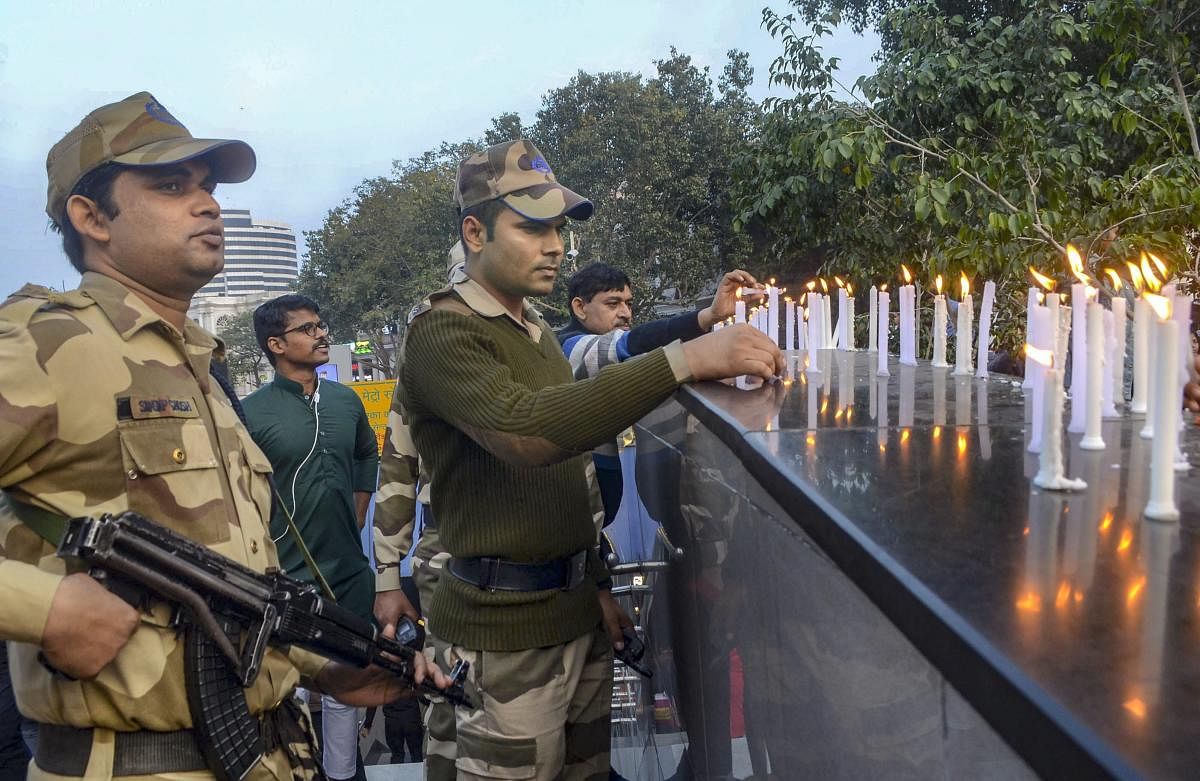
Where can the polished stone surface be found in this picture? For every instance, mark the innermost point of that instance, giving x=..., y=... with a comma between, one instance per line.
x=917, y=486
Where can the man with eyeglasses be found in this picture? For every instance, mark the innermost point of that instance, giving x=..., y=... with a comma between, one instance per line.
x=316, y=435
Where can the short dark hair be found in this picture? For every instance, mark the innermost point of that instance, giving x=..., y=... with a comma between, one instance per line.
x=95, y=185
x=271, y=318
x=595, y=278
x=485, y=212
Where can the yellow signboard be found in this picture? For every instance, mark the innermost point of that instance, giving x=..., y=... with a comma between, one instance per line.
x=377, y=399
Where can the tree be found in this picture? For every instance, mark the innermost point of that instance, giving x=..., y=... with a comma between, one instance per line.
x=978, y=145
x=384, y=249
x=247, y=363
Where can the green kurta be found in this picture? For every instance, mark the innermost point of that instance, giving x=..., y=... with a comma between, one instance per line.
x=343, y=460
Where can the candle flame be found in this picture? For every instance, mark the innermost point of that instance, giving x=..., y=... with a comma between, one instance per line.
x=938, y=283
x=1160, y=304
x=788, y=299
x=1152, y=282
x=771, y=281
x=849, y=289
x=1115, y=277
x=1046, y=282
x=1136, y=706
x=1162, y=267
x=1135, y=590
x=1077, y=268
x=1040, y=356
x=806, y=313
x=1126, y=541
x=1135, y=274
x=965, y=284
x=738, y=294
x=907, y=275
x=839, y=281
x=811, y=284
x=1030, y=603
x=883, y=288
x=824, y=284
x=1063, y=596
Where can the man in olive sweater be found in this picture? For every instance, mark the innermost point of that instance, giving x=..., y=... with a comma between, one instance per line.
x=505, y=432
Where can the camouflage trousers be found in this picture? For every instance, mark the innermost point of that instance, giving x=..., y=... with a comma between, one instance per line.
x=440, y=747
x=543, y=714
x=274, y=767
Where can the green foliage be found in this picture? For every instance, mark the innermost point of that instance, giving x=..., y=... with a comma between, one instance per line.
x=247, y=364
x=984, y=144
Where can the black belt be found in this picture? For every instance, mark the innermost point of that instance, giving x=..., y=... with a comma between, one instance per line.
x=493, y=574
x=65, y=751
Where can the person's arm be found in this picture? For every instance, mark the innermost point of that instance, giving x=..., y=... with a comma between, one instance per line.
x=395, y=514
x=80, y=626
x=690, y=325
x=366, y=463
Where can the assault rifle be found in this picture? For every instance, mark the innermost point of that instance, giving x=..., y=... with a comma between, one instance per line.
x=230, y=614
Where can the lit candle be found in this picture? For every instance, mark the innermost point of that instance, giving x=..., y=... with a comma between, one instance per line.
x=872, y=319
x=1050, y=462
x=908, y=341
x=939, y=326
x=884, y=302
x=1166, y=403
x=1119, y=306
x=1092, y=439
x=827, y=319
x=850, y=317
x=962, y=344
x=801, y=326
x=1080, y=293
x=789, y=338
x=843, y=342
x=985, y=329
x=772, y=313
x=739, y=308
x=816, y=335
x=1031, y=335
x=1141, y=344
x=1108, y=407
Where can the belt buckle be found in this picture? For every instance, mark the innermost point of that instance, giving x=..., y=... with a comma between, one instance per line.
x=491, y=574
x=576, y=569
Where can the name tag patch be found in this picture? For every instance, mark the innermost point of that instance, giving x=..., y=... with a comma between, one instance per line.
x=148, y=407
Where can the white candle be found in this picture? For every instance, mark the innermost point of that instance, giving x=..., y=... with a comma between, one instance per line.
x=1079, y=335
x=872, y=318
x=816, y=335
x=739, y=309
x=850, y=321
x=827, y=320
x=1050, y=463
x=939, y=332
x=985, y=329
x=884, y=303
x=843, y=320
x=1108, y=408
x=1118, y=351
x=1031, y=304
x=1166, y=432
x=1141, y=356
x=789, y=338
x=1182, y=314
x=1092, y=440
x=772, y=313
x=801, y=327
x=908, y=341
x=962, y=344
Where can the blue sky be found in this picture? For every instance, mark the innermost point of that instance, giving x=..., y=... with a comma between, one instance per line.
x=327, y=94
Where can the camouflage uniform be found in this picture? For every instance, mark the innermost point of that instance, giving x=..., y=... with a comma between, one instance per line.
x=147, y=431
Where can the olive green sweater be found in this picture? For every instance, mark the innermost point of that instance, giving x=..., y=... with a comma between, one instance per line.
x=504, y=431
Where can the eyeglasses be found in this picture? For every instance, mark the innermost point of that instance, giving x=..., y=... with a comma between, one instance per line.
x=309, y=329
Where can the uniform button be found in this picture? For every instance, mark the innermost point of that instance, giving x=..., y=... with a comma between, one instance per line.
x=178, y=456
x=254, y=546
x=133, y=474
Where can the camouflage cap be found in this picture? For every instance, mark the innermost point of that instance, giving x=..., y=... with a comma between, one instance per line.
x=518, y=174
x=137, y=131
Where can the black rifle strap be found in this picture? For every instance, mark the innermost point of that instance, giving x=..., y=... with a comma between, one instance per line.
x=276, y=499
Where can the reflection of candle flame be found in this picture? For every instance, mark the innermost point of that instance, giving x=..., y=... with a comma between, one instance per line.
x=962, y=444
x=1126, y=541
x=1160, y=304
x=882, y=448
x=1076, y=262
x=838, y=415
x=1162, y=267
x=1116, y=278
x=938, y=283
x=810, y=440
x=1046, y=282
x=1025, y=531
x=937, y=432
x=1038, y=355
x=1136, y=706
x=1078, y=596
x=1063, y=596
x=824, y=405
x=849, y=413
x=965, y=284
x=1030, y=603
x=1152, y=282
x=907, y=275
x=1106, y=524
x=904, y=435
x=1134, y=590
x=1135, y=274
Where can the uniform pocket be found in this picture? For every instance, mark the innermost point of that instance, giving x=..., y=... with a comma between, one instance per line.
x=172, y=476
